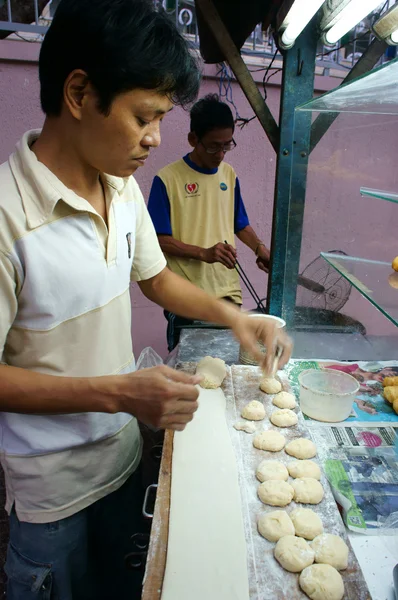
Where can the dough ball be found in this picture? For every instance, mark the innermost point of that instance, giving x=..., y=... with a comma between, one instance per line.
x=275, y=493
x=304, y=468
x=293, y=553
x=213, y=371
x=283, y=417
x=307, y=490
x=275, y=525
x=394, y=264
x=270, y=385
x=245, y=426
x=301, y=448
x=284, y=400
x=269, y=440
x=331, y=550
x=307, y=523
x=254, y=411
x=271, y=470
x=322, y=582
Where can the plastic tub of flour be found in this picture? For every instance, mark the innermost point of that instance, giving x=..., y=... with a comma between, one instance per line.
x=327, y=395
x=245, y=358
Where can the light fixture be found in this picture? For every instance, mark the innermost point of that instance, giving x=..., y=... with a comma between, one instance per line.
x=351, y=14
x=386, y=28
x=293, y=18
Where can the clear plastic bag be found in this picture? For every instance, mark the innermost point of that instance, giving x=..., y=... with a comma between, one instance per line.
x=148, y=358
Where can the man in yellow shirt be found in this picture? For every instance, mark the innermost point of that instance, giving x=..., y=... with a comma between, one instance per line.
x=196, y=205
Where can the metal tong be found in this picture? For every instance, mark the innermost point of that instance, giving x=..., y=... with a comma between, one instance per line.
x=248, y=284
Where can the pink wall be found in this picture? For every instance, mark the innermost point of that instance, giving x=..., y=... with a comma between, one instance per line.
x=329, y=223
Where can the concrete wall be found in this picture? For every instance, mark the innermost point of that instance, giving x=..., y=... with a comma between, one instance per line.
x=336, y=217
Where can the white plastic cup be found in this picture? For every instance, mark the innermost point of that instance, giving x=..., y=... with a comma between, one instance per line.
x=327, y=394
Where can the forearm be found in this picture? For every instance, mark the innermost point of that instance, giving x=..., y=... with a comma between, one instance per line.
x=185, y=299
x=173, y=247
x=249, y=237
x=24, y=391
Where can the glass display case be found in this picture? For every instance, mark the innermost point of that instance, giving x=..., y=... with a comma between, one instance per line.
x=344, y=236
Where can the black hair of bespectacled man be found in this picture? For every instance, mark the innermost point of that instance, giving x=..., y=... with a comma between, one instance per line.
x=210, y=113
x=121, y=45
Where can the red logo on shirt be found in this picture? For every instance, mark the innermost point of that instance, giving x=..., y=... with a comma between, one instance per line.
x=191, y=188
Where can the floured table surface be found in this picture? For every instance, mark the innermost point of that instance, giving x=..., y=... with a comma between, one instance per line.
x=267, y=579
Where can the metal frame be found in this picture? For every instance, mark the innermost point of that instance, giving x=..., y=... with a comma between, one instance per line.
x=291, y=170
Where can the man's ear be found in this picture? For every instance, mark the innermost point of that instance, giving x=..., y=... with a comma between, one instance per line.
x=193, y=139
x=77, y=91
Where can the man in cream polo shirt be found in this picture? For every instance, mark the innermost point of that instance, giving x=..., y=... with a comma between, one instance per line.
x=74, y=230
x=197, y=209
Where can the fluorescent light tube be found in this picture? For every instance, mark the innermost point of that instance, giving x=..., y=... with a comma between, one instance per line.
x=299, y=15
x=350, y=16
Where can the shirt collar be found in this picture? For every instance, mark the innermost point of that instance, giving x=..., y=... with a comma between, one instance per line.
x=195, y=167
x=40, y=189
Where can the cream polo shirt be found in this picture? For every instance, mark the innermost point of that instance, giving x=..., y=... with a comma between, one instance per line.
x=65, y=310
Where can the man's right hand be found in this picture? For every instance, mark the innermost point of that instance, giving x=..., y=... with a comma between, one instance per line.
x=160, y=396
x=222, y=253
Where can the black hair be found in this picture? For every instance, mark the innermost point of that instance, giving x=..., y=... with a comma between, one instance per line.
x=122, y=45
x=210, y=113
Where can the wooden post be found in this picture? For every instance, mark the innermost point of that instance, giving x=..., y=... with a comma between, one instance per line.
x=240, y=70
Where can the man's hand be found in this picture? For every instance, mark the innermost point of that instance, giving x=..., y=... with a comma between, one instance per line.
x=160, y=396
x=263, y=258
x=222, y=253
x=250, y=330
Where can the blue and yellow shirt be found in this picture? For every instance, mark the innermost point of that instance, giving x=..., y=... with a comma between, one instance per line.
x=200, y=207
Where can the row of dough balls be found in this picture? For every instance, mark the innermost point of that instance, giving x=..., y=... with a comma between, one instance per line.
x=255, y=411
x=274, y=489
x=320, y=581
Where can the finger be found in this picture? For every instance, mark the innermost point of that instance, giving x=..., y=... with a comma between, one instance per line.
x=225, y=261
x=229, y=258
x=262, y=266
x=176, y=421
x=182, y=407
x=287, y=347
x=184, y=392
x=181, y=377
x=249, y=342
x=231, y=249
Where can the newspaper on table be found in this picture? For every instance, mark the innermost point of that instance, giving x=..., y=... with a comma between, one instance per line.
x=360, y=455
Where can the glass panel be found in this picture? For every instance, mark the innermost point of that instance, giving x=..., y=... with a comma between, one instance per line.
x=357, y=152
x=390, y=196
x=374, y=279
x=373, y=93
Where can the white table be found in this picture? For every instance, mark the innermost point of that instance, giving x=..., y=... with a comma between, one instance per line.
x=377, y=556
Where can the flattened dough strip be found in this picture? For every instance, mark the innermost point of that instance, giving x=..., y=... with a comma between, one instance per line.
x=206, y=553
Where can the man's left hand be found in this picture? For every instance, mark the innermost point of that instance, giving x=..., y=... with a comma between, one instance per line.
x=263, y=258
x=250, y=330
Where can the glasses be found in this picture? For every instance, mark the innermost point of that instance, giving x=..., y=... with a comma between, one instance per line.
x=214, y=148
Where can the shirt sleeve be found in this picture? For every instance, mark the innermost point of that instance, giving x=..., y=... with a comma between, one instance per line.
x=159, y=207
x=8, y=299
x=149, y=259
x=241, y=219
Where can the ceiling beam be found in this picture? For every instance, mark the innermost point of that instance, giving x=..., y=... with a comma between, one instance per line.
x=240, y=70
